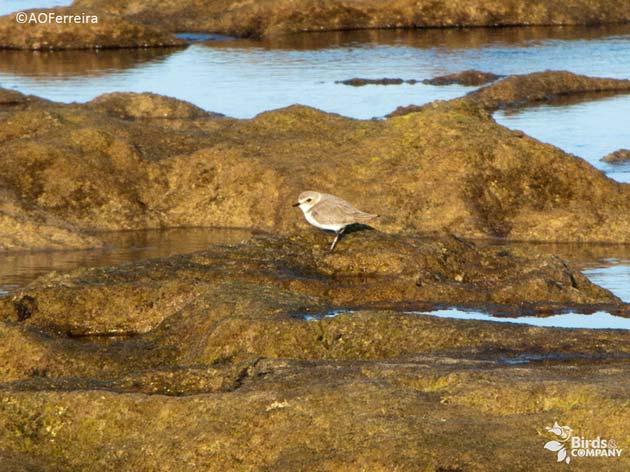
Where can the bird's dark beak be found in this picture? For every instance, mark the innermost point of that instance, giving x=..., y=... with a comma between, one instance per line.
x=296, y=204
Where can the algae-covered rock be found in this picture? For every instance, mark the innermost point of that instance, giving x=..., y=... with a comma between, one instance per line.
x=617, y=157
x=22, y=228
x=207, y=361
x=273, y=17
x=327, y=417
x=520, y=90
x=113, y=165
x=279, y=276
x=146, y=106
x=467, y=77
x=67, y=28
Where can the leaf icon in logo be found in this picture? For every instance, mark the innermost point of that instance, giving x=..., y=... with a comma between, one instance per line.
x=562, y=455
x=555, y=429
x=554, y=446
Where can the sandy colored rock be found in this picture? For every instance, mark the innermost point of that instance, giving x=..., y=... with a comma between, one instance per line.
x=617, y=157
x=272, y=17
x=108, y=32
x=467, y=77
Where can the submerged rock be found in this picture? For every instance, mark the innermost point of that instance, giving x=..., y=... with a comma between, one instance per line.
x=617, y=157
x=358, y=82
x=467, y=77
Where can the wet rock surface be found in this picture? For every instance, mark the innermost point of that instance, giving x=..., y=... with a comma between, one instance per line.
x=467, y=77
x=618, y=157
x=108, y=32
x=268, y=18
x=203, y=361
x=136, y=161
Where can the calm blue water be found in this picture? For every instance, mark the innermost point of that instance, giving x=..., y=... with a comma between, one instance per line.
x=615, y=277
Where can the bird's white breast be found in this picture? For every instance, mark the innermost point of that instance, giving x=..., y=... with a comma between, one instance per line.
x=332, y=227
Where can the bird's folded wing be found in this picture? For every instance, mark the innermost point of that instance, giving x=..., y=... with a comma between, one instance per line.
x=338, y=211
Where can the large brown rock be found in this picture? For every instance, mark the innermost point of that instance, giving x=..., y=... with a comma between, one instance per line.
x=274, y=276
x=218, y=370
x=270, y=17
x=448, y=167
x=107, y=33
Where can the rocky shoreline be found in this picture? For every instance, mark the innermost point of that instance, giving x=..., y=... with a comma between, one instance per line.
x=141, y=161
x=164, y=359
x=207, y=361
x=152, y=23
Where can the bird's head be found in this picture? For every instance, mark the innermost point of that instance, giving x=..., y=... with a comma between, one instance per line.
x=308, y=200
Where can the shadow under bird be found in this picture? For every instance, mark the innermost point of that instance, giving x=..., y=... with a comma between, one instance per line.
x=328, y=212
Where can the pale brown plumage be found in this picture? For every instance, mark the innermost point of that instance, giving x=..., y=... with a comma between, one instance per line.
x=330, y=212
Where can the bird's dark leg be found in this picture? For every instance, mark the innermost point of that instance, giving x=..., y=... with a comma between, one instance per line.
x=339, y=233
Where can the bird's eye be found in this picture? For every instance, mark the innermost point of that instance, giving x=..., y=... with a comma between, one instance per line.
x=309, y=200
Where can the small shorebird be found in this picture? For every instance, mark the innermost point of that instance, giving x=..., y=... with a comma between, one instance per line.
x=328, y=212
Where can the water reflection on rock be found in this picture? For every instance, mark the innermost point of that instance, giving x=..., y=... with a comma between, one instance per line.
x=55, y=65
